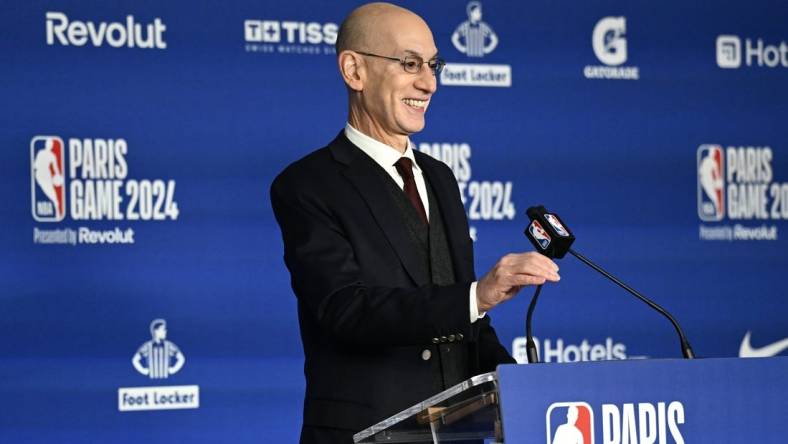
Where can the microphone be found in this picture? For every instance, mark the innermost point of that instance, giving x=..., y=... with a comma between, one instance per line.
x=551, y=237
x=548, y=233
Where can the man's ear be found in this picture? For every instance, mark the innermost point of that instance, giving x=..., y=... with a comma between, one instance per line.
x=352, y=69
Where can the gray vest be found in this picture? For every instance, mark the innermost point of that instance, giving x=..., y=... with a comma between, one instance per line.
x=433, y=249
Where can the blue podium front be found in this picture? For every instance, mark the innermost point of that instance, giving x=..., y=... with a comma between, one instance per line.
x=648, y=401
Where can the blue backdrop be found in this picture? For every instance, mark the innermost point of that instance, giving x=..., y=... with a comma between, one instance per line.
x=140, y=138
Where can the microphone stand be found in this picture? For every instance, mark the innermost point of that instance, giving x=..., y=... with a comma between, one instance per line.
x=686, y=349
x=530, y=346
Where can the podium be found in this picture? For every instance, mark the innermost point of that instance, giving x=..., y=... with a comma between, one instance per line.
x=727, y=400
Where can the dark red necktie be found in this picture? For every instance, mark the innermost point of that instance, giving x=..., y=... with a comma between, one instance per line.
x=405, y=169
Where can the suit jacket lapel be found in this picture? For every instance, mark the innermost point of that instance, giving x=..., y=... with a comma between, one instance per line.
x=454, y=220
x=361, y=172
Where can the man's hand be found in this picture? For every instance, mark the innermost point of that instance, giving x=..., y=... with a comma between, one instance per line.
x=510, y=274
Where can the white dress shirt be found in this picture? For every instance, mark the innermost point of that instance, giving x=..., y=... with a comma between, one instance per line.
x=386, y=156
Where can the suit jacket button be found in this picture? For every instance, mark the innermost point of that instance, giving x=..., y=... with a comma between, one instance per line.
x=451, y=338
x=426, y=355
x=444, y=339
x=459, y=336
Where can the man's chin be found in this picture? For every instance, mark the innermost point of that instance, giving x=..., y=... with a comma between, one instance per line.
x=414, y=127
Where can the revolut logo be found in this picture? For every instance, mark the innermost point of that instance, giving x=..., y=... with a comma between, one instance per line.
x=290, y=37
x=731, y=53
x=609, y=43
x=737, y=184
x=131, y=34
x=86, y=180
x=475, y=39
x=158, y=359
x=560, y=351
x=629, y=423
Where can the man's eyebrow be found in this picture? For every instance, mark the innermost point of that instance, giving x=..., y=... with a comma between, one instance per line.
x=416, y=53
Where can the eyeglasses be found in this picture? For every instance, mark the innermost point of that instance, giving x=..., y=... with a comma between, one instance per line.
x=413, y=63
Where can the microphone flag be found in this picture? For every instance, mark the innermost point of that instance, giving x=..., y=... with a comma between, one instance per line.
x=548, y=233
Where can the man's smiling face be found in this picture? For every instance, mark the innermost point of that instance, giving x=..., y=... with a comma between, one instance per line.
x=394, y=100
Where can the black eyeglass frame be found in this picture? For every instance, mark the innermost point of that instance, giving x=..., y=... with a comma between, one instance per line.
x=435, y=64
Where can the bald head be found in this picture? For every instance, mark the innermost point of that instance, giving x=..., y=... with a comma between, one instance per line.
x=387, y=100
x=372, y=25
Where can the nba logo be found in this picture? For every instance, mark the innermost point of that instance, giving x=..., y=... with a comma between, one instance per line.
x=539, y=234
x=570, y=423
x=711, y=185
x=559, y=228
x=47, y=179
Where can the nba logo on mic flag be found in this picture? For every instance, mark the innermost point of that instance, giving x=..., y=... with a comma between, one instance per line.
x=569, y=423
x=539, y=234
x=47, y=178
x=711, y=183
x=559, y=228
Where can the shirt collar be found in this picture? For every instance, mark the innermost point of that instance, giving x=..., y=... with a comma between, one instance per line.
x=384, y=155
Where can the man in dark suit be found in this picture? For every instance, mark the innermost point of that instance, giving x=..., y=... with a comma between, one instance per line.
x=377, y=244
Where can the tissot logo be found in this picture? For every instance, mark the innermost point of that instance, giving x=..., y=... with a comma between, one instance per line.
x=274, y=31
x=290, y=37
x=131, y=34
x=262, y=31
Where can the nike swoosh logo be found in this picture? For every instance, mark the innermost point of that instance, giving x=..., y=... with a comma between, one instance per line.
x=747, y=351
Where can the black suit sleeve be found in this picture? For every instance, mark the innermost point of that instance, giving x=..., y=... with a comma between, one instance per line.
x=327, y=280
